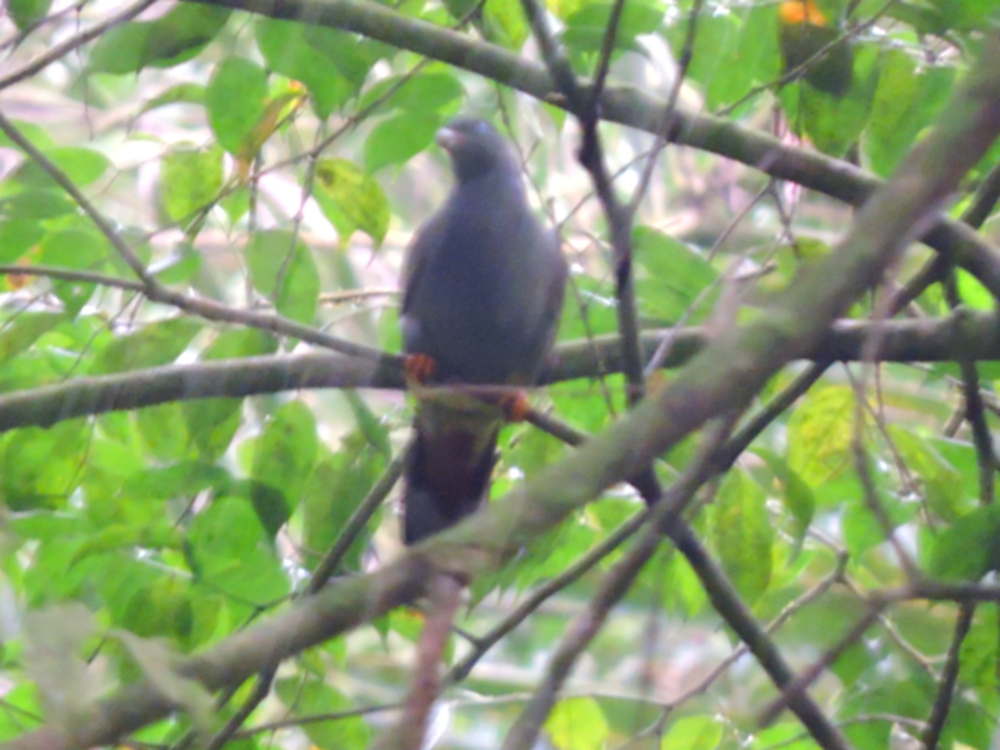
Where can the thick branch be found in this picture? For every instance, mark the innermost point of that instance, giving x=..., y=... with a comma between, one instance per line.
x=975, y=335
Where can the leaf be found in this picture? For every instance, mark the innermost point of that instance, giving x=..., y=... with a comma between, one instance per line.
x=231, y=552
x=820, y=433
x=74, y=248
x=212, y=423
x=235, y=100
x=585, y=29
x=156, y=344
x=24, y=330
x=283, y=459
x=577, y=724
x=25, y=13
x=17, y=236
x=797, y=495
x=906, y=101
x=313, y=697
x=173, y=38
x=336, y=487
x=182, y=265
x=742, y=534
x=672, y=276
x=182, y=479
x=834, y=123
x=969, y=548
x=693, y=733
x=190, y=180
x=181, y=93
x=398, y=139
x=358, y=198
x=426, y=93
x=280, y=258
x=286, y=49
x=36, y=204
x=82, y=166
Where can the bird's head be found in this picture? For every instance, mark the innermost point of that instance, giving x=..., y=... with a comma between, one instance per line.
x=475, y=148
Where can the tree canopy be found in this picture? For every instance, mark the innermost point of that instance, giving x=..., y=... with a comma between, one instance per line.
x=780, y=330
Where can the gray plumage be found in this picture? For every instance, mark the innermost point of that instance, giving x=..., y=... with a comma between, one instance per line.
x=484, y=282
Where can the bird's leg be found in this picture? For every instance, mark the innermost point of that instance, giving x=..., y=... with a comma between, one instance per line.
x=515, y=405
x=420, y=368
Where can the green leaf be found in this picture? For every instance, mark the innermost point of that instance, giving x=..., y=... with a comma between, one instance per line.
x=170, y=40
x=179, y=480
x=163, y=431
x=190, y=180
x=235, y=101
x=181, y=266
x=906, y=101
x=74, y=248
x=287, y=50
x=969, y=548
x=21, y=332
x=820, y=432
x=399, y=138
x=181, y=93
x=36, y=204
x=585, y=29
x=279, y=258
x=24, y=13
x=577, y=724
x=283, y=459
x=156, y=344
x=426, y=93
x=834, y=123
x=213, y=422
x=81, y=165
x=742, y=534
x=358, y=199
x=693, y=733
x=40, y=468
x=335, y=488
x=231, y=552
x=942, y=483
x=671, y=277
x=313, y=697
x=797, y=495
x=17, y=236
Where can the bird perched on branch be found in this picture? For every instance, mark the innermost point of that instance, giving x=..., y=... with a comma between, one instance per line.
x=803, y=32
x=483, y=286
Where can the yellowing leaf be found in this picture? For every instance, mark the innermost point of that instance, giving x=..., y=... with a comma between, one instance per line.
x=577, y=724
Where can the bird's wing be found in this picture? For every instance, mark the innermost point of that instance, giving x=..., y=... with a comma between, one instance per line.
x=553, y=284
x=423, y=246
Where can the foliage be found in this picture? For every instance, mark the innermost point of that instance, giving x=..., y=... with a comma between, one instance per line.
x=276, y=170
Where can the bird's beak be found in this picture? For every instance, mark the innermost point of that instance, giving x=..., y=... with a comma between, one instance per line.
x=449, y=139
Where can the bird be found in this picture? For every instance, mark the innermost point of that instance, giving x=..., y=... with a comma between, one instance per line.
x=483, y=285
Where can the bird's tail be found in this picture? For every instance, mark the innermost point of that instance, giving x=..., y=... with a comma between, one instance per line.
x=448, y=474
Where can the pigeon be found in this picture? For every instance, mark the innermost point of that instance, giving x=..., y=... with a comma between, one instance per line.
x=483, y=286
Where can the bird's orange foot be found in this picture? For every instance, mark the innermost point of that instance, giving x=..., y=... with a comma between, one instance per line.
x=420, y=368
x=515, y=405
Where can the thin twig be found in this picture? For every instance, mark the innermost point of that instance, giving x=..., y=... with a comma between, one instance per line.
x=942, y=702
x=359, y=518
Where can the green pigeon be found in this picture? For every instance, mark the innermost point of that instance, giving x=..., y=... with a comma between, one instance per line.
x=483, y=288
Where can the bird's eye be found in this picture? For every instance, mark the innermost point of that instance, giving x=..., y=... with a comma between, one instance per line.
x=482, y=127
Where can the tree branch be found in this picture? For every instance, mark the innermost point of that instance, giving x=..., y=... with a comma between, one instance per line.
x=976, y=335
